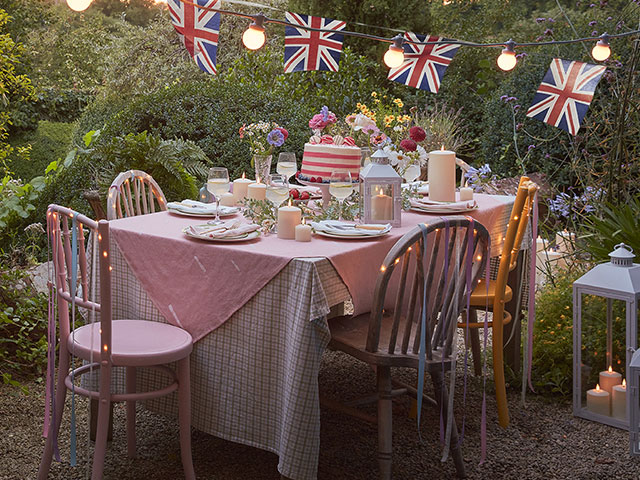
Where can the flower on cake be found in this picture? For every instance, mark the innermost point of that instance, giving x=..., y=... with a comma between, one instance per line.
x=263, y=136
x=328, y=121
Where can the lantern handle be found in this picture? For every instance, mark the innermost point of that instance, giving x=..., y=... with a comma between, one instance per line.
x=623, y=245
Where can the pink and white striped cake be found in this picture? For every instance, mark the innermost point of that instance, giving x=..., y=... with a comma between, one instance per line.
x=318, y=161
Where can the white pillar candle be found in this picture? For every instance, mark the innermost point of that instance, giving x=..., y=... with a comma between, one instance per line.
x=303, y=232
x=540, y=244
x=227, y=199
x=608, y=379
x=240, y=186
x=288, y=218
x=619, y=401
x=442, y=175
x=598, y=401
x=257, y=191
x=466, y=194
x=381, y=207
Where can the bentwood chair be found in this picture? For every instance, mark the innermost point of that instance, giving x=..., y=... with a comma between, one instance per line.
x=435, y=266
x=132, y=193
x=108, y=343
x=493, y=294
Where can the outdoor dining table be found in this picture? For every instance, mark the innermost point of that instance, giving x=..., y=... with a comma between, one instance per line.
x=257, y=311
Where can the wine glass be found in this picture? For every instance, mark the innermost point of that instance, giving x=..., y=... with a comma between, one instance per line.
x=340, y=186
x=287, y=164
x=411, y=173
x=217, y=184
x=277, y=189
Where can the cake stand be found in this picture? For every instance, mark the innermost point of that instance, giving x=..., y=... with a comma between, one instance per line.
x=323, y=187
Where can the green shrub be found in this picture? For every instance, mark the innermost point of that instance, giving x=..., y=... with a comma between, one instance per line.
x=49, y=142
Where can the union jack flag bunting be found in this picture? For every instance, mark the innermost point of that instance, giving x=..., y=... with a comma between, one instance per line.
x=424, y=65
x=198, y=30
x=309, y=50
x=566, y=91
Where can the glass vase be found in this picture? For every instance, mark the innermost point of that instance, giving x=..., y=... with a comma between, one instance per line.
x=262, y=165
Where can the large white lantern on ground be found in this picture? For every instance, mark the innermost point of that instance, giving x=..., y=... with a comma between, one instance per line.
x=605, y=300
x=380, y=190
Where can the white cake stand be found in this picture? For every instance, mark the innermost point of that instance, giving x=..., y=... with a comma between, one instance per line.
x=324, y=188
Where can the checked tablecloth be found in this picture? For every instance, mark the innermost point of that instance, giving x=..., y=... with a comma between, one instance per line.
x=254, y=379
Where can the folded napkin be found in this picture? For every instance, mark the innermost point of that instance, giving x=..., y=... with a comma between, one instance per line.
x=232, y=228
x=345, y=229
x=432, y=205
x=199, y=208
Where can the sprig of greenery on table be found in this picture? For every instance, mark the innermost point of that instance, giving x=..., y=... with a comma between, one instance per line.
x=407, y=195
x=333, y=210
x=260, y=212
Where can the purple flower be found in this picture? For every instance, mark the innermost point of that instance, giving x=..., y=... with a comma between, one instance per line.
x=522, y=55
x=516, y=108
x=325, y=113
x=592, y=23
x=479, y=176
x=560, y=205
x=540, y=20
x=275, y=138
x=519, y=126
x=548, y=32
x=530, y=147
x=547, y=156
x=551, y=20
x=594, y=33
x=620, y=24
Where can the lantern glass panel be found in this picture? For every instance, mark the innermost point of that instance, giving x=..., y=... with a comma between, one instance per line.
x=381, y=202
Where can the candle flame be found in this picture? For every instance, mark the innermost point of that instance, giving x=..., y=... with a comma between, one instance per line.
x=624, y=383
x=304, y=221
x=442, y=148
x=597, y=387
x=290, y=205
x=610, y=369
x=243, y=175
x=257, y=179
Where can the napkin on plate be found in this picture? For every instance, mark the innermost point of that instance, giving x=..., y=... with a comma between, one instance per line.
x=199, y=208
x=426, y=205
x=232, y=228
x=336, y=227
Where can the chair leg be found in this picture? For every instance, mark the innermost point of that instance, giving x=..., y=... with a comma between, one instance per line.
x=498, y=367
x=100, y=448
x=442, y=397
x=474, y=339
x=184, y=417
x=385, y=422
x=131, y=412
x=56, y=419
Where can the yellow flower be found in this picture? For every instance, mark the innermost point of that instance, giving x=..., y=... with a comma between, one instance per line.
x=399, y=118
x=406, y=118
x=374, y=94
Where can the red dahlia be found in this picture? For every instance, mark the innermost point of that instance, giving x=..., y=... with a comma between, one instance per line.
x=408, y=145
x=417, y=134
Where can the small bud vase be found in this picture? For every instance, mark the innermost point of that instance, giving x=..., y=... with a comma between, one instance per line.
x=262, y=165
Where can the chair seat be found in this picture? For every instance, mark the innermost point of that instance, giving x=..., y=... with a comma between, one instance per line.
x=480, y=297
x=134, y=343
x=349, y=334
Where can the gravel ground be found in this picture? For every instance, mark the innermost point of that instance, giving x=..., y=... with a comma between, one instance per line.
x=544, y=441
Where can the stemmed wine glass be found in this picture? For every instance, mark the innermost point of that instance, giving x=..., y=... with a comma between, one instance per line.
x=340, y=186
x=287, y=164
x=277, y=189
x=217, y=184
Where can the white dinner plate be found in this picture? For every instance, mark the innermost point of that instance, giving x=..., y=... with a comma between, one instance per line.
x=223, y=214
x=351, y=236
x=444, y=209
x=241, y=238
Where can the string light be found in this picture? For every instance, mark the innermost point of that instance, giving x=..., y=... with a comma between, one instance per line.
x=507, y=59
x=79, y=5
x=601, y=50
x=394, y=56
x=253, y=37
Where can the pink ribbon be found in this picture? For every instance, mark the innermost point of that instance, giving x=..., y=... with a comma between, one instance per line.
x=483, y=418
x=532, y=288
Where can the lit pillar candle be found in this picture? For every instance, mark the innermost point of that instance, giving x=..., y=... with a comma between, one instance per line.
x=288, y=218
x=240, y=187
x=257, y=191
x=598, y=401
x=442, y=175
x=381, y=207
x=466, y=194
x=619, y=401
x=608, y=379
x=540, y=244
x=227, y=199
x=303, y=232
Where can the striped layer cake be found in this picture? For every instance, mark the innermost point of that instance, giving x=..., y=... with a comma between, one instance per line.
x=318, y=161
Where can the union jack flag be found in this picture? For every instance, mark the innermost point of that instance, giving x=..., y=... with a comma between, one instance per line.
x=309, y=50
x=424, y=65
x=563, y=98
x=198, y=30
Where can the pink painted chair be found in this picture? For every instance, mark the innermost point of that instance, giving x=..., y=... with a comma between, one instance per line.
x=132, y=193
x=109, y=343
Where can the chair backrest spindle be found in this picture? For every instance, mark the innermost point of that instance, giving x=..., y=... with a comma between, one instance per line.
x=134, y=193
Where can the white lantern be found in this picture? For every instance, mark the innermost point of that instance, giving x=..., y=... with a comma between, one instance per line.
x=601, y=361
x=380, y=191
x=634, y=403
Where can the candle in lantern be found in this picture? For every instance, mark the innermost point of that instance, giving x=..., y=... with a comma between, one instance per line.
x=288, y=218
x=240, y=187
x=381, y=206
x=442, y=175
x=227, y=199
x=598, y=401
x=609, y=378
x=303, y=232
x=466, y=194
x=257, y=191
x=619, y=401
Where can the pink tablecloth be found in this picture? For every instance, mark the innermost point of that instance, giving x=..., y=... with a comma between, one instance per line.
x=230, y=274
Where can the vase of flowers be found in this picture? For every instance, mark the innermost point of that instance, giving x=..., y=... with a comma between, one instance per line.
x=263, y=137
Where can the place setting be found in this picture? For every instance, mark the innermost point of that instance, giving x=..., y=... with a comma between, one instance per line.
x=229, y=231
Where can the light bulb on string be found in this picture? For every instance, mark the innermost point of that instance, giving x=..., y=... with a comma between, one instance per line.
x=79, y=5
x=507, y=59
x=601, y=50
x=394, y=56
x=253, y=37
